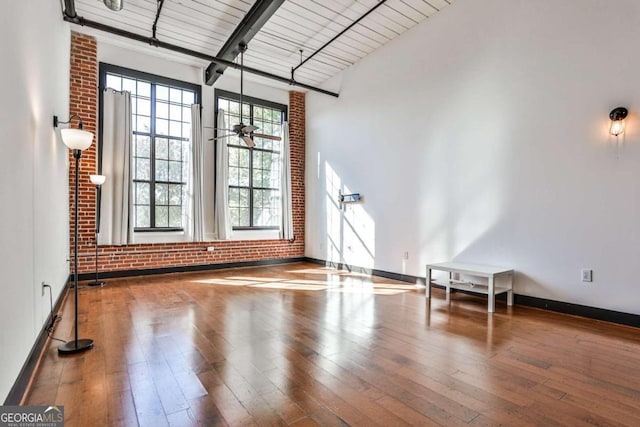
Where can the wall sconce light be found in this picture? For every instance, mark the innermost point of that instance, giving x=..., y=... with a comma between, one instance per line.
x=617, y=116
x=114, y=5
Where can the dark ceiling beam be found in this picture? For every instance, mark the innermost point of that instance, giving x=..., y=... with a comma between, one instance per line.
x=252, y=22
x=70, y=8
x=158, y=43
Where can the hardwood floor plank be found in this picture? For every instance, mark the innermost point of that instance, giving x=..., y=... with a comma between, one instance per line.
x=304, y=345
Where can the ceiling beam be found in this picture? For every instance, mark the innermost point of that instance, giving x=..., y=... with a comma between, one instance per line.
x=252, y=22
x=70, y=8
x=79, y=20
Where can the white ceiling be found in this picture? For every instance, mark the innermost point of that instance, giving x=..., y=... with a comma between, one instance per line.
x=204, y=26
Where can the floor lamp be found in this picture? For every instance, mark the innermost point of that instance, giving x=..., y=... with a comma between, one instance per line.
x=97, y=180
x=76, y=140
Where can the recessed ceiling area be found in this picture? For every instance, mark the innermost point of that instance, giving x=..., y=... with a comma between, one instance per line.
x=205, y=25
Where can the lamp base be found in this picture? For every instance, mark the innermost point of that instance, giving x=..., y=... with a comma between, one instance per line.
x=96, y=283
x=75, y=346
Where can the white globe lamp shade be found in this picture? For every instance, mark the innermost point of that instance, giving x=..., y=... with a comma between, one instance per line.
x=97, y=179
x=76, y=139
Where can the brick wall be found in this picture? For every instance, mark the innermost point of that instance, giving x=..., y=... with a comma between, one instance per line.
x=84, y=102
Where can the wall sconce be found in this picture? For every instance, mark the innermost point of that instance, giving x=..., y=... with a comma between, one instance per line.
x=114, y=5
x=617, y=116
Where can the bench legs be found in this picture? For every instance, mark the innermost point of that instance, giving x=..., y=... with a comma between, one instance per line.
x=491, y=296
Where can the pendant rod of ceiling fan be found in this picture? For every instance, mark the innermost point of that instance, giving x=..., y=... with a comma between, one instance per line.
x=78, y=20
x=380, y=3
x=242, y=47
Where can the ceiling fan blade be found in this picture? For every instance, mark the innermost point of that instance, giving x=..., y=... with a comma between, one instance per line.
x=221, y=136
x=247, y=141
x=249, y=128
x=265, y=136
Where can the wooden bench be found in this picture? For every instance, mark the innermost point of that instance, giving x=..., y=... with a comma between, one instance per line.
x=491, y=273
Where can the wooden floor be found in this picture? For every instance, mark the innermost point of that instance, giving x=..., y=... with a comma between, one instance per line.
x=303, y=345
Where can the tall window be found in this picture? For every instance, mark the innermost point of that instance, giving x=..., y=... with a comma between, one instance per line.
x=161, y=122
x=254, y=173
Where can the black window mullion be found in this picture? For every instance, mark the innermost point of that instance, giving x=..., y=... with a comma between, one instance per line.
x=251, y=171
x=152, y=178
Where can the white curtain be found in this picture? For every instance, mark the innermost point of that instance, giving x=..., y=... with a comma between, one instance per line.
x=194, y=225
x=116, y=220
x=286, y=231
x=222, y=221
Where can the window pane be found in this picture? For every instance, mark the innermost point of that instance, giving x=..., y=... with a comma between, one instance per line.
x=175, y=95
x=243, y=158
x=175, y=216
x=175, y=194
x=143, y=146
x=162, y=170
x=162, y=194
x=186, y=114
x=162, y=127
x=175, y=171
x=114, y=82
x=175, y=128
x=234, y=176
x=144, y=107
x=162, y=216
x=142, y=216
x=223, y=104
x=143, y=124
x=175, y=112
x=162, y=92
x=143, y=169
x=257, y=114
x=142, y=193
x=244, y=217
x=129, y=85
x=186, y=130
x=243, y=177
x=144, y=89
x=175, y=150
x=188, y=97
x=235, y=217
x=234, y=108
x=162, y=110
x=162, y=148
x=243, y=197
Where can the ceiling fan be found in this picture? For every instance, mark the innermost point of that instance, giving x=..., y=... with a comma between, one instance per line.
x=244, y=132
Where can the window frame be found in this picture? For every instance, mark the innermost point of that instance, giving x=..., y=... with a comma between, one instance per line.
x=154, y=80
x=251, y=101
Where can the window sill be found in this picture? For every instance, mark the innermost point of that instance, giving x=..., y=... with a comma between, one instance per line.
x=159, y=237
x=250, y=235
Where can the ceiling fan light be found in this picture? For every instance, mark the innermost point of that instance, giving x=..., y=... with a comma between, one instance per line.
x=115, y=5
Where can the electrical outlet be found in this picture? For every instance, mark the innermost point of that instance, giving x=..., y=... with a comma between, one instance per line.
x=406, y=255
x=587, y=275
x=210, y=248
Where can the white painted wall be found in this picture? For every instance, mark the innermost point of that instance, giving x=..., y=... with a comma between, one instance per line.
x=34, y=82
x=481, y=136
x=156, y=61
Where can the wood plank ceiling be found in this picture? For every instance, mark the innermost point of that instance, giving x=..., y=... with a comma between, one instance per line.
x=204, y=26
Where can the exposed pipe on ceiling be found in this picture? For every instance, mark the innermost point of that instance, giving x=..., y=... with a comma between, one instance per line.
x=69, y=6
x=380, y=3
